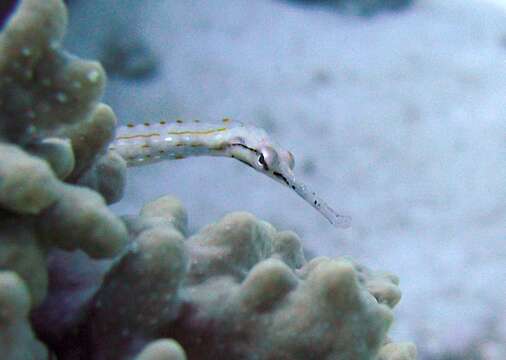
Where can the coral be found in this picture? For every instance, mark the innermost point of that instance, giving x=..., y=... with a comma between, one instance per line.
x=239, y=289
x=53, y=135
x=42, y=89
x=162, y=350
x=399, y=351
x=20, y=251
x=54, y=129
x=95, y=286
x=28, y=184
x=17, y=340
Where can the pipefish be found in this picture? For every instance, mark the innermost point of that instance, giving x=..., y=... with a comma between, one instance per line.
x=149, y=143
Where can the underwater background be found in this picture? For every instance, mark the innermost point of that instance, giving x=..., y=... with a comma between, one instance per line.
x=394, y=111
x=397, y=118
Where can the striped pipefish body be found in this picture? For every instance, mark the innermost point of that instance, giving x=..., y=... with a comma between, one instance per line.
x=149, y=143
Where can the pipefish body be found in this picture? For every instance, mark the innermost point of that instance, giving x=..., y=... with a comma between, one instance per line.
x=149, y=143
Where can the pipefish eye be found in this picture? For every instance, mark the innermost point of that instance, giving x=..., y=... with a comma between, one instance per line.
x=267, y=158
x=261, y=161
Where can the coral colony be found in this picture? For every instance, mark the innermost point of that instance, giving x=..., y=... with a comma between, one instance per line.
x=78, y=282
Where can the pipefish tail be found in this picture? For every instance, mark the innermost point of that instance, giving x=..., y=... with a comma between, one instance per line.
x=149, y=143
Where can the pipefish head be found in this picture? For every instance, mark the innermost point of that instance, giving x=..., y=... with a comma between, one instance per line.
x=278, y=164
x=253, y=147
x=265, y=157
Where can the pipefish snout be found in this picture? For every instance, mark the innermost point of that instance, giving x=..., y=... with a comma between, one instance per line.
x=154, y=142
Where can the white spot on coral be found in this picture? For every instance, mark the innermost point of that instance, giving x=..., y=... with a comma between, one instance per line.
x=31, y=130
x=93, y=76
x=26, y=51
x=53, y=44
x=61, y=97
x=76, y=84
x=134, y=247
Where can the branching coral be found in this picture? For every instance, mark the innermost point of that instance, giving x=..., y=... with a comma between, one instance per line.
x=53, y=132
x=54, y=129
x=17, y=340
x=238, y=289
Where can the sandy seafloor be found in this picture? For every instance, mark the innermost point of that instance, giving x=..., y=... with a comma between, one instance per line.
x=398, y=120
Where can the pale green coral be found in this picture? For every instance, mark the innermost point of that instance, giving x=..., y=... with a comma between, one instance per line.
x=27, y=184
x=42, y=88
x=80, y=220
x=57, y=152
x=90, y=137
x=226, y=293
x=106, y=176
x=17, y=340
x=21, y=252
x=399, y=351
x=52, y=129
x=49, y=108
x=162, y=350
x=167, y=209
